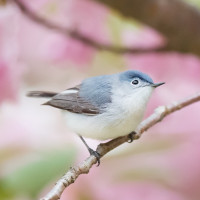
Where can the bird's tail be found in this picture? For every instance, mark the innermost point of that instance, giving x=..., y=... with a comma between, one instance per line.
x=41, y=94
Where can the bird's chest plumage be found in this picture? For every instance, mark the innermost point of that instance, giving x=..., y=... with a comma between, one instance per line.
x=127, y=111
x=120, y=117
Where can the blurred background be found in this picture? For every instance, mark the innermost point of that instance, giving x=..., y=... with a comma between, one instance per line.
x=82, y=38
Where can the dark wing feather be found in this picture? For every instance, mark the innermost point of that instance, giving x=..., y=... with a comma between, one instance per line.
x=73, y=102
x=41, y=94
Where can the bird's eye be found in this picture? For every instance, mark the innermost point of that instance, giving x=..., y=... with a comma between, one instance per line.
x=135, y=82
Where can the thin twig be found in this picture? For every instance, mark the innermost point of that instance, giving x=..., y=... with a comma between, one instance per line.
x=103, y=148
x=78, y=36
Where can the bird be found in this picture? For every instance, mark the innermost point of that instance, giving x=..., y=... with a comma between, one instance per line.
x=104, y=107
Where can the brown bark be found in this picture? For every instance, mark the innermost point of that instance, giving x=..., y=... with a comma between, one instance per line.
x=177, y=20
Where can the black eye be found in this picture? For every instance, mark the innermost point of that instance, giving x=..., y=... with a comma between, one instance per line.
x=135, y=82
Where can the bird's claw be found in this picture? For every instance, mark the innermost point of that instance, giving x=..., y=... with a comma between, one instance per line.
x=96, y=154
x=131, y=136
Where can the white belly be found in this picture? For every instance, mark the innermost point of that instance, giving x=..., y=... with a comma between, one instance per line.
x=118, y=120
x=101, y=127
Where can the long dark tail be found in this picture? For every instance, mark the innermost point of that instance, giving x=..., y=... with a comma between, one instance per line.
x=40, y=94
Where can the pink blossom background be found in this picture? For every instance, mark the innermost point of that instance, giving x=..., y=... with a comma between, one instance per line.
x=36, y=147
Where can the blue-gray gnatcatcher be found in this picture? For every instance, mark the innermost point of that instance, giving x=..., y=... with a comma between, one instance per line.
x=104, y=107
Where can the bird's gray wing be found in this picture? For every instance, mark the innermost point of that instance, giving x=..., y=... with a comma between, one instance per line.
x=71, y=101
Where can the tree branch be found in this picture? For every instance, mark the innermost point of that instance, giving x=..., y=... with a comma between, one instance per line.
x=103, y=148
x=181, y=30
x=177, y=20
x=78, y=36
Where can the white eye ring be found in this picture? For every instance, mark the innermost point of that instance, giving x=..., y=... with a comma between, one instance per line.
x=135, y=82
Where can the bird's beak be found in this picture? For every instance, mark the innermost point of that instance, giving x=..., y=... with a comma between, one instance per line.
x=155, y=85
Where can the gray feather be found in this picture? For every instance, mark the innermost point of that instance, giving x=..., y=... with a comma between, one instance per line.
x=97, y=90
x=72, y=102
x=130, y=74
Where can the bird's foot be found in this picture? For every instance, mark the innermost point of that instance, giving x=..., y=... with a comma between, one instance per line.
x=131, y=136
x=91, y=151
x=96, y=154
